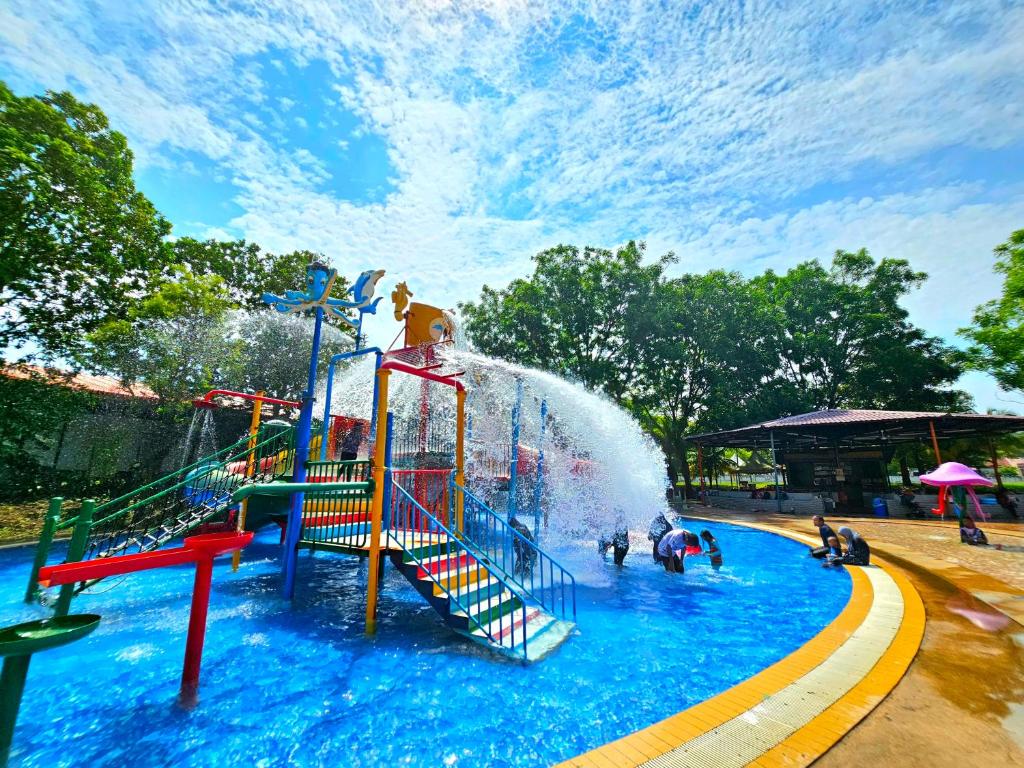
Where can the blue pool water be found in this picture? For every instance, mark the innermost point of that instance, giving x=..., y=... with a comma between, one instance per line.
x=301, y=685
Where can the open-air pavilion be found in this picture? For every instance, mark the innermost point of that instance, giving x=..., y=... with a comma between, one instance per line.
x=843, y=454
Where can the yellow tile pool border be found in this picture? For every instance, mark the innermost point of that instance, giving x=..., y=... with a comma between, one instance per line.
x=820, y=733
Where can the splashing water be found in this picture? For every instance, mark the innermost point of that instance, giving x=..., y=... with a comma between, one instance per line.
x=598, y=464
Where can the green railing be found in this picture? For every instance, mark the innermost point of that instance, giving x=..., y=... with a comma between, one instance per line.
x=169, y=507
x=337, y=517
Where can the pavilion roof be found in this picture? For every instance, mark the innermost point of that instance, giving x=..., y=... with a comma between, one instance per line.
x=853, y=428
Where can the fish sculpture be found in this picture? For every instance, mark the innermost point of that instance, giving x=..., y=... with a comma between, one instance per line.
x=319, y=282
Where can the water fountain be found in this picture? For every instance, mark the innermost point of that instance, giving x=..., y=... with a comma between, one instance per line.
x=597, y=460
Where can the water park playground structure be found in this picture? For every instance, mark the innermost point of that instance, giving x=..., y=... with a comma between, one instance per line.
x=484, y=578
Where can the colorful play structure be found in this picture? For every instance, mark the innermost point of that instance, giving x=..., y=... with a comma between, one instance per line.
x=485, y=578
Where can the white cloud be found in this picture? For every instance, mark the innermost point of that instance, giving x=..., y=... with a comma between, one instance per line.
x=695, y=125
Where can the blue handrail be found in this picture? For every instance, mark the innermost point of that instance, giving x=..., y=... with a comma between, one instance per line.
x=325, y=427
x=532, y=569
x=406, y=538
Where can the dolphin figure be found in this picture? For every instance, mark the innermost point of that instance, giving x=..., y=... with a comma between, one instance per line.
x=319, y=281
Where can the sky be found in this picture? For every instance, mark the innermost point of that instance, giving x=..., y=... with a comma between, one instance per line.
x=447, y=142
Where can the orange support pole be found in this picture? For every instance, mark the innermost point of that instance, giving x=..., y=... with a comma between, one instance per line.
x=377, y=508
x=935, y=443
x=700, y=473
x=460, y=456
x=250, y=468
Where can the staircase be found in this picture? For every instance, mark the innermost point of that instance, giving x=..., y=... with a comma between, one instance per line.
x=472, y=594
x=166, y=509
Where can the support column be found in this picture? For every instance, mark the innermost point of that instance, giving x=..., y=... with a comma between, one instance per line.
x=460, y=457
x=538, y=488
x=935, y=443
x=513, y=470
x=377, y=506
x=303, y=434
x=250, y=468
x=196, y=631
x=700, y=473
x=995, y=462
x=775, y=470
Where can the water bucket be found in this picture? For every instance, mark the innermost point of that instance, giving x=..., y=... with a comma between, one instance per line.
x=881, y=507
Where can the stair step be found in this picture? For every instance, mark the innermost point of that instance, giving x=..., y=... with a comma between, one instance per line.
x=489, y=609
x=458, y=577
x=335, y=519
x=478, y=590
x=445, y=562
x=508, y=631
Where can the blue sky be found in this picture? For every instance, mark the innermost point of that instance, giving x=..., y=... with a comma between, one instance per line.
x=447, y=142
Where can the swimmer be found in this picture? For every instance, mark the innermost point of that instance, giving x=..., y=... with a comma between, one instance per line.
x=834, y=554
x=714, y=552
x=674, y=546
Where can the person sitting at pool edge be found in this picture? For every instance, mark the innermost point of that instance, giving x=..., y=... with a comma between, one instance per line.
x=658, y=528
x=826, y=533
x=834, y=555
x=714, y=551
x=972, y=534
x=857, y=550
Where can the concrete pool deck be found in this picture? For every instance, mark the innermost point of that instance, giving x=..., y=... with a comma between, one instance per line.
x=875, y=685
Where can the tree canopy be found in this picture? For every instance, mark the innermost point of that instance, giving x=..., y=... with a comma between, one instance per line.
x=78, y=239
x=716, y=350
x=997, y=334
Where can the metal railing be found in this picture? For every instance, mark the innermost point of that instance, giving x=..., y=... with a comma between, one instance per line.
x=445, y=560
x=167, y=508
x=340, y=517
x=431, y=488
x=534, y=572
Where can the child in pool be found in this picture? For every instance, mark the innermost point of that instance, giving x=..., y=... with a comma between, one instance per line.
x=713, y=551
x=835, y=552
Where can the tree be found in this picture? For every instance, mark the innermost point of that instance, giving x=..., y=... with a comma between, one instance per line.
x=702, y=352
x=174, y=341
x=998, y=330
x=247, y=271
x=574, y=316
x=79, y=242
x=842, y=339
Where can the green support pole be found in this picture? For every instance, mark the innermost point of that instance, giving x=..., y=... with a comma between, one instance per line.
x=43, y=547
x=12, y=684
x=76, y=551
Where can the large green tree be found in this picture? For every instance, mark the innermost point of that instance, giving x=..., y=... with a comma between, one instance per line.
x=573, y=316
x=702, y=351
x=842, y=340
x=997, y=334
x=79, y=242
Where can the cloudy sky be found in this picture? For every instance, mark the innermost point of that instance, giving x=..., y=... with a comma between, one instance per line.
x=447, y=142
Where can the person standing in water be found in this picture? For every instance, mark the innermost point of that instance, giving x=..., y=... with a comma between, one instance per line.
x=658, y=528
x=714, y=552
x=674, y=546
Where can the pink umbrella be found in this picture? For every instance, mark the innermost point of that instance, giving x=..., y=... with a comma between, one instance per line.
x=954, y=473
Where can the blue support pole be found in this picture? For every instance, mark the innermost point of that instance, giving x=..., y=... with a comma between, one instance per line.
x=513, y=469
x=303, y=433
x=388, y=434
x=325, y=427
x=538, y=488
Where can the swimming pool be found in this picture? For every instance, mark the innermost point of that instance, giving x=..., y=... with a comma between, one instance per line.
x=302, y=685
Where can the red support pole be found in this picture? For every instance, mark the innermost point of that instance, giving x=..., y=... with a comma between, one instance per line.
x=196, y=630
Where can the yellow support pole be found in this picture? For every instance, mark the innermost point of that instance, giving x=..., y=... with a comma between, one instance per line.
x=460, y=456
x=377, y=509
x=935, y=443
x=250, y=467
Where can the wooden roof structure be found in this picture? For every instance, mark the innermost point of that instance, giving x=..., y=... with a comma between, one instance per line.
x=859, y=428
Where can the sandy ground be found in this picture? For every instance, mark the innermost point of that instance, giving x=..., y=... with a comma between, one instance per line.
x=961, y=703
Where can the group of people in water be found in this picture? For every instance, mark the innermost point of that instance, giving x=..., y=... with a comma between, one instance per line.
x=670, y=546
